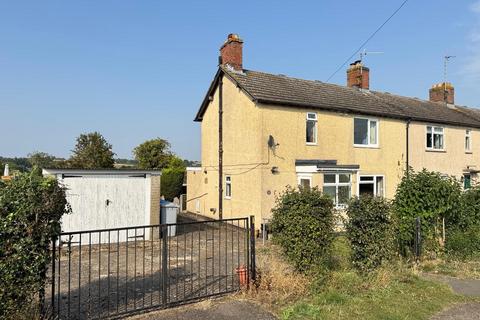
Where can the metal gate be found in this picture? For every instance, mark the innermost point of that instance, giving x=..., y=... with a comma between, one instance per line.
x=112, y=272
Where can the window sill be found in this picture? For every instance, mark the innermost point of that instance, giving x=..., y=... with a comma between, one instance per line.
x=436, y=150
x=228, y=198
x=311, y=143
x=366, y=146
x=468, y=152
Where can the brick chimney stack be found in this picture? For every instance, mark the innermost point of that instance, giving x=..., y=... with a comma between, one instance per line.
x=442, y=92
x=231, y=52
x=358, y=76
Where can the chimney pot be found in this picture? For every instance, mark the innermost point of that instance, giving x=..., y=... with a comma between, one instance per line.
x=442, y=92
x=358, y=76
x=231, y=52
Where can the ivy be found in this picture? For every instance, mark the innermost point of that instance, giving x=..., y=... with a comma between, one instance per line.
x=30, y=211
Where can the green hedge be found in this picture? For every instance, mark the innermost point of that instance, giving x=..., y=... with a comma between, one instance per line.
x=30, y=210
x=369, y=230
x=303, y=225
x=431, y=197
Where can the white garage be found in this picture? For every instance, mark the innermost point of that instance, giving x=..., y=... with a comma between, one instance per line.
x=105, y=199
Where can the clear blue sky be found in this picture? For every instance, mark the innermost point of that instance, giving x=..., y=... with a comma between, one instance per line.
x=135, y=70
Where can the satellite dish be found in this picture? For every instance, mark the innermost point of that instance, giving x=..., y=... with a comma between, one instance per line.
x=271, y=142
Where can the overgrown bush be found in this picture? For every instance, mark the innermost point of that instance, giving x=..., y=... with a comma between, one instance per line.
x=431, y=197
x=30, y=210
x=369, y=230
x=302, y=224
x=463, y=243
x=469, y=215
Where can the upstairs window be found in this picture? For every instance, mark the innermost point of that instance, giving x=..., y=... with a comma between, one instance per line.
x=365, y=132
x=468, y=140
x=338, y=187
x=311, y=125
x=435, y=139
x=228, y=187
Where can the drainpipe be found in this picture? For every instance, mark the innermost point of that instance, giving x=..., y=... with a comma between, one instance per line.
x=220, y=147
x=407, y=146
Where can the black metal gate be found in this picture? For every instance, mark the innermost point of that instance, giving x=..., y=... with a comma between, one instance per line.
x=112, y=272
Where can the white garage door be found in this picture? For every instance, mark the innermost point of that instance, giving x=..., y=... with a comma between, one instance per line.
x=104, y=202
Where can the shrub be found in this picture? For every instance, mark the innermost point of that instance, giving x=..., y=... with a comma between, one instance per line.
x=463, y=243
x=369, y=231
x=172, y=178
x=431, y=197
x=30, y=211
x=302, y=224
x=469, y=215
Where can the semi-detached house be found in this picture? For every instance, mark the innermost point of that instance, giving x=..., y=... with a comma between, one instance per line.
x=276, y=131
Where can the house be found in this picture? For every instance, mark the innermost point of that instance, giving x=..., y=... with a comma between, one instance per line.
x=276, y=131
x=109, y=198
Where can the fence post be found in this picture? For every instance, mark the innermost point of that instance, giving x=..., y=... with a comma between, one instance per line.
x=418, y=239
x=53, y=277
x=164, y=234
x=252, y=249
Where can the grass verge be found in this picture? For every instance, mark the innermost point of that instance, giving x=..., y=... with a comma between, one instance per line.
x=386, y=295
x=392, y=292
x=464, y=269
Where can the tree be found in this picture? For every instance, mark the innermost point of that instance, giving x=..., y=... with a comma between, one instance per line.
x=172, y=178
x=92, y=151
x=153, y=154
x=40, y=159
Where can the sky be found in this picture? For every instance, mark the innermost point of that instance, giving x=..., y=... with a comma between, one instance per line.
x=137, y=70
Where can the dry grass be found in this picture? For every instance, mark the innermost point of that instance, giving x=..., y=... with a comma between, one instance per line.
x=278, y=284
x=467, y=269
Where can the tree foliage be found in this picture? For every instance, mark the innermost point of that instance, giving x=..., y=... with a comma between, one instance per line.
x=153, y=154
x=30, y=211
x=41, y=159
x=369, y=230
x=92, y=151
x=427, y=195
x=172, y=178
x=302, y=224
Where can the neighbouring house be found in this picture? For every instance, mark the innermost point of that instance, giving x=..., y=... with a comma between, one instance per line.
x=109, y=198
x=348, y=140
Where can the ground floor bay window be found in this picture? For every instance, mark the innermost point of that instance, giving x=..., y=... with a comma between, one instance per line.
x=338, y=186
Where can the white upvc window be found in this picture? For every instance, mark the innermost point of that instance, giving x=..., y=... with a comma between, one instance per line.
x=305, y=181
x=338, y=186
x=365, y=132
x=228, y=187
x=372, y=185
x=468, y=140
x=311, y=125
x=435, y=138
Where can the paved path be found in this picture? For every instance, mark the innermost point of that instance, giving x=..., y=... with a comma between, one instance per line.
x=217, y=310
x=466, y=287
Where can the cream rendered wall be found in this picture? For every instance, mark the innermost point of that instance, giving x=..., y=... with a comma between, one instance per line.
x=453, y=160
x=334, y=142
x=242, y=157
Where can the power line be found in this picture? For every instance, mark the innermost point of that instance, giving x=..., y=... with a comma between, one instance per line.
x=369, y=38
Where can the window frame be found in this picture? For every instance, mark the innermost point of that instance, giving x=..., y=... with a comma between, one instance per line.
x=315, y=128
x=432, y=148
x=374, y=182
x=301, y=177
x=377, y=130
x=337, y=184
x=465, y=175
x=468, y=135
x=228, y=182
